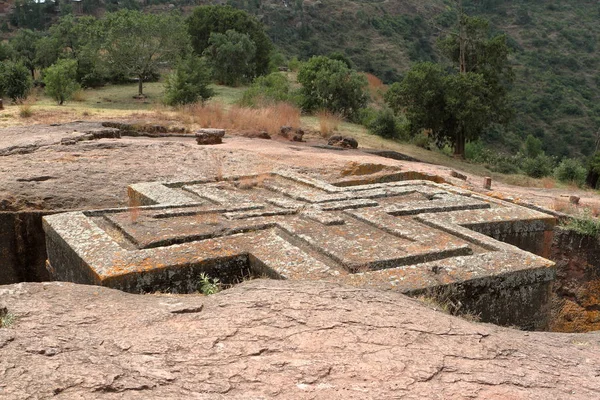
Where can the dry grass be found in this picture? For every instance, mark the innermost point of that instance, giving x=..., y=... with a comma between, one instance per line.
x=563, y=205
x=252, y=181
x=328, y=123
x=216, y=164
x=25, y=110
x=216, y=115
x=548, y=183
x=376, y=87
x=79, y=96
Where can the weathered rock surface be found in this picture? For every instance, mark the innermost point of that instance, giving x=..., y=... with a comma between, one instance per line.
x=210, y=136
x=347, y=142
x=275, y=339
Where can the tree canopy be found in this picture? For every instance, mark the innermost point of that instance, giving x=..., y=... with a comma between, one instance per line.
x=457, y=105
x=232, y=56
x=60, y=80
x=207, y=20
x=138, y=44
x=330, y=84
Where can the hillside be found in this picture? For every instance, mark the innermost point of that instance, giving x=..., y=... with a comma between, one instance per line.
x=556, y=92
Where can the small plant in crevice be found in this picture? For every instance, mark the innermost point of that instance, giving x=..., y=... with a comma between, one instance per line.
x=208, y=285
x=6, y=318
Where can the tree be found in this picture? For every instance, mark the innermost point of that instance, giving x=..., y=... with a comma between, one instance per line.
x=330, y=84
x=24, y=44
x=457, y=106
x=15, y=81
x=189, y=83
x=473, y=51
x=138, y=44
x=231, y=55
x=206, y=20
x=421, y=97
x=80, y=39
x=60, y=80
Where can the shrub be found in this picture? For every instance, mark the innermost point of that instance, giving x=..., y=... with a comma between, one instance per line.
x=294, y=65
x=15, y=80
x=537, y=167
x=385, y=125
x=570, y=170
x=60, y=80
x=269, y=89
x=476, y=151
x=504, y=166
x=423, y=140
x=328, y=122
x=189, y=83
x=25, y=111
x=6, y=318
x=585, y=224
x=330, y=84
x=532, y=147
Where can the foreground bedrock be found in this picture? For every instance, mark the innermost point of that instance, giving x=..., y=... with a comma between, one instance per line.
x=275, y=339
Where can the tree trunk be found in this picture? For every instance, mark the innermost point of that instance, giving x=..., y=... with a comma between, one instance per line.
x=140, y=86
x=459, y=146
x=592, y=179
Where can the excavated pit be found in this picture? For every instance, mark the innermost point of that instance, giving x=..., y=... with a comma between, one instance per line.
x=392, y=232
x=572, y=303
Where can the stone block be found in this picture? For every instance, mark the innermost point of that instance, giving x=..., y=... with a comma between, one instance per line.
x=210, y=136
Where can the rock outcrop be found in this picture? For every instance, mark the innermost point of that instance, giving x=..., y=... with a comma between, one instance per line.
x=274, y=339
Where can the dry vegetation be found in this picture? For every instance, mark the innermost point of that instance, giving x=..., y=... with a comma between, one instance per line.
x=328, y=123
x=216, y=115
x=376, y=88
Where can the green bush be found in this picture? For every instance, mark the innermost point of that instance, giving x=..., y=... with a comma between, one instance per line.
x=386, y=125
x=423, y=140
x=585, y=224
x=15, y=80
x=532, y=147
x=571, y=171
x=189, y=82
x=537, y=167
x=60, y=80
x=270, y=89
x=476, y=151
x=294, y=65
x=329, y=84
